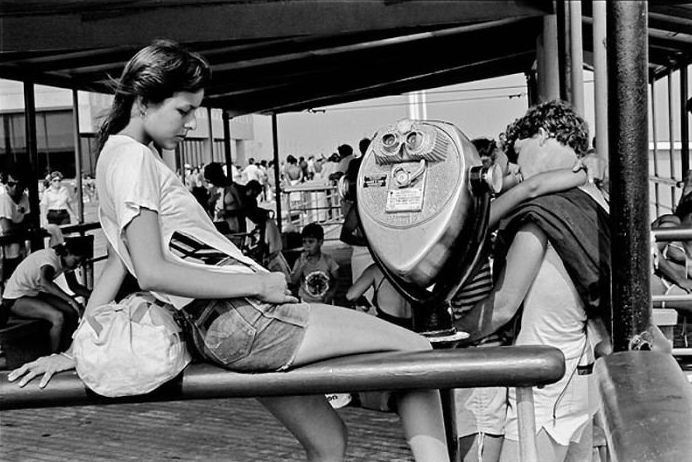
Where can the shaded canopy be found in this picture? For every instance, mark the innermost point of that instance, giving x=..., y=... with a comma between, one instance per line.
x=272, y=56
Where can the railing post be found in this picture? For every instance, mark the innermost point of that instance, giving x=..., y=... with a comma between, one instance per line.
x=78, y=156
x=600, y=79
x=684, y=122
x=526, y=420
x=671, y=137
x=627, y=120
x=227, y=143
x=277, y=174
x=577, y=57
x=654, y=136
x=564, y=50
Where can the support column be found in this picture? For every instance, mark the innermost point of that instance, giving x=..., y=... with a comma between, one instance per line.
x=629, y=189
x=684, y=122
x=654, y=136
x=577, y=57
x=211, y=135
x=31, y=157
x=671, y=137
x=600, y=79
x=277, y=166
x=227, y=143
x=77, y=156
x=531, y=87
x=548, y=66
x=564, y=49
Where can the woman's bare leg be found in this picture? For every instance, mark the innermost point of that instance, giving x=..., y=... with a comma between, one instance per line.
x=314, y=423
x=335, y=331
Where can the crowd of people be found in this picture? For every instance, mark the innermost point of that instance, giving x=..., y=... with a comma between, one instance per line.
x=546, y=280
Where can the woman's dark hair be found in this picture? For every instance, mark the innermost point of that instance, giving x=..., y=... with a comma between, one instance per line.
x=485, y=146
x=291, y=160
x=17, y=173
x=78, y=246
x=214, y=175
x=155, y=73
x=258, y=215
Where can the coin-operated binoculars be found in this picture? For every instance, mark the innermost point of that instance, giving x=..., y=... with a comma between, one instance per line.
x=423, y=198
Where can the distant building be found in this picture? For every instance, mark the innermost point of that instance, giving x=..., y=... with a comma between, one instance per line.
x=55, y=133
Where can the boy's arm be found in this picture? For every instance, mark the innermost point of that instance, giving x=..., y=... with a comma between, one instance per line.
x=297, y=270
x=333, y=280
x=75, y=286
x=362, y=284
x=47, y=285
x=537, y=185
x=523, y=262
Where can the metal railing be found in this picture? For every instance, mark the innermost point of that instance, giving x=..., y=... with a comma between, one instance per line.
x=311, y=203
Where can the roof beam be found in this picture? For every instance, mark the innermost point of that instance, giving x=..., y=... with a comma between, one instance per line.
x=464, y=73
x=321, y=81
x=113, y=23
x=390, y=58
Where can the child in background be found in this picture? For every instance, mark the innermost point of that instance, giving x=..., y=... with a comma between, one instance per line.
x=32, y=293
x=315, y=271
x=389, y=304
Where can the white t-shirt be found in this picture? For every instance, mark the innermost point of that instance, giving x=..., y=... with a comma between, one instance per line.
x=15, y=212
x=554, y=315
x=26, y=279
x=252, y=172
x=131, y=176
x=55, y=199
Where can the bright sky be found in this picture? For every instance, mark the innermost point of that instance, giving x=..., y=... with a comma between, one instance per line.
x=482, y=108
x=478, y=109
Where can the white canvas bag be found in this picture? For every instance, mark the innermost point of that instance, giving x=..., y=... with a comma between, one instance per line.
x=129, y=348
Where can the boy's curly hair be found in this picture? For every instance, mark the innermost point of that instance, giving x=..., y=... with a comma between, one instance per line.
x=558, y=119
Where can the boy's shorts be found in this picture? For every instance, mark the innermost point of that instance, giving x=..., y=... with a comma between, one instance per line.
x=481, y=410
x=245, y=337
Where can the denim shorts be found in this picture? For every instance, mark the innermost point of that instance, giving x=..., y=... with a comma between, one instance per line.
x=246, y=337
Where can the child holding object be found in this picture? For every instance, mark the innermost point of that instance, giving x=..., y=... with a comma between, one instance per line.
x=31, y=291
x=315, y=271
x=158, y=232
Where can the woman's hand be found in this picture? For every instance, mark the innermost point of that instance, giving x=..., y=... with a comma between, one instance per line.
x=46, y=365
x=593, y=165
x=275, y=289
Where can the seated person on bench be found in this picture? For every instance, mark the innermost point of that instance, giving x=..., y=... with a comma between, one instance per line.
x=31, y=291
x=252, y=322
x=672, y=264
